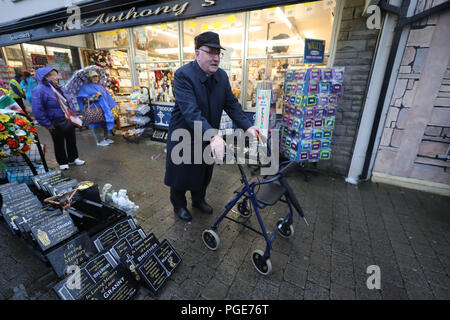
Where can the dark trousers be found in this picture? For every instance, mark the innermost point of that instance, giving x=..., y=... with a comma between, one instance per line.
x=64, y=138
x=178, y=197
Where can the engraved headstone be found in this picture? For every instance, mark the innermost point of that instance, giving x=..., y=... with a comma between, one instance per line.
x=108, y=237
x=71, y=253
x=52, y=229
x=156, y=268
x=101, y=278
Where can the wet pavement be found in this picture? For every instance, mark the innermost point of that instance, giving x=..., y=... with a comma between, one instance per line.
x=406, y=233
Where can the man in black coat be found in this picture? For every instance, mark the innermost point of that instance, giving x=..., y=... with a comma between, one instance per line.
x=202, y=91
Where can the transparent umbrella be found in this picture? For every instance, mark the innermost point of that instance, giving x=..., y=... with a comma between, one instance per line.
x=81, y=77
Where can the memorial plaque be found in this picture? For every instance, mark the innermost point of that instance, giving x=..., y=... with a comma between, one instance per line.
x=51, y=175
x=14, y=189
x=101, y=278
x=111, y=235
x=26, y=209
x=74, y=252
x=63, y=187
x=156, y=268
x=42, y=176
x=153, y=273
x=116, y=285
x=76, y=286
x=134, y=257
x=53, y=182
x=167, y=255
x=125, y=244
x=53, y=229
x=15, y=194
x=99, y=266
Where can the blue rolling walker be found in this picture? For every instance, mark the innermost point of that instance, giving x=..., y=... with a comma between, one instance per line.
x=269, y=192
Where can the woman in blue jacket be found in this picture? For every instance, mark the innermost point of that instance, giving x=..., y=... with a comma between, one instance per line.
x=46, y=104
x=28, y=84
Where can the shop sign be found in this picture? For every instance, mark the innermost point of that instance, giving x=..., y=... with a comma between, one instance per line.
x=314, y=51
x=19, y=36
x=132, y=14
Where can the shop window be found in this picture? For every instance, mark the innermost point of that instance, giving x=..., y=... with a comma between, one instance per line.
x=230, y=28
x=156, y=42
x=277, y=42
x=111, y=39
x=35, y=56
x=158, y=78
x=282, y=30
x=14, y=56
x=61, y=60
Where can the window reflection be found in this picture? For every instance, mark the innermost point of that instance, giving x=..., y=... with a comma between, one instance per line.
x=156, y=42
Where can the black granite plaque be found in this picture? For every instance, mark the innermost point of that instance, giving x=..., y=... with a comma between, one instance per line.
x=15, y=194
x=118, y=284
x=134, y=257
x=101, y=278
x=167, y=255
x=54, y=182
x=152, y=272
x=125, y=244
x=51, y=230
x=110, y=236
x=100, y=265
x=27, y=209
x=11, y=191
x=42, y=176
x=157, y=267
x=63, y=187
x=74, y=252
x=76, y=286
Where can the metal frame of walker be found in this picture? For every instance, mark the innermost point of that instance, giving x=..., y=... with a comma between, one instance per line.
x=261, y=260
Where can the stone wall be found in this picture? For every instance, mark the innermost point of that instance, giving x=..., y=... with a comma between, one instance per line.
x=355, y=50
x=418, y=117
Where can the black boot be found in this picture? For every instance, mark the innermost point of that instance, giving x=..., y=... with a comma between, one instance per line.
x=203, y=206
x=183, y=214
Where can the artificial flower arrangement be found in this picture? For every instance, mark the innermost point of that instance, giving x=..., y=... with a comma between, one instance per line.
x=16, y=134
x=100, y=58
x=114, y=85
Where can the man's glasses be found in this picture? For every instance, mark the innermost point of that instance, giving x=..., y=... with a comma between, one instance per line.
x=212, y=54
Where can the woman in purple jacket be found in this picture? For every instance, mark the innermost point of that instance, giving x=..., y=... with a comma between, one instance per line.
x=46, y=104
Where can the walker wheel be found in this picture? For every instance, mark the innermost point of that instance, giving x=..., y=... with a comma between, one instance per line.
x=210, y=239
x=286, y=229
x=245, y=208
x=263, y=265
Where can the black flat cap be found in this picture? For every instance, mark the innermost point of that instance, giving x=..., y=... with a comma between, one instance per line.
x=208, y=38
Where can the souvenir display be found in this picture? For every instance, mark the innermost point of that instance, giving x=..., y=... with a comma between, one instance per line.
x=311, y=96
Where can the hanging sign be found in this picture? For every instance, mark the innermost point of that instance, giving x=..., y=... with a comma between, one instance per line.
x=314, y=51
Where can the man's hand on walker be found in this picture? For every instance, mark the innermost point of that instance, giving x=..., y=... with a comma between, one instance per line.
x=218, y=147
x=254, y=131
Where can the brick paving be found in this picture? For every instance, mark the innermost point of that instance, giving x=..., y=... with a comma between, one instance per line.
x=404, y=232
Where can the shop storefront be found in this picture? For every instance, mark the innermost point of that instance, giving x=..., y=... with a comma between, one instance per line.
x=147, y=43
x=260, y=45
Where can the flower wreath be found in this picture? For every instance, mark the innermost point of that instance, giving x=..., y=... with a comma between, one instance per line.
x=16, y=134
x=100, y=58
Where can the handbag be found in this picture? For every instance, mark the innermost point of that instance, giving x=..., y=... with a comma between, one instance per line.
x=93, y=115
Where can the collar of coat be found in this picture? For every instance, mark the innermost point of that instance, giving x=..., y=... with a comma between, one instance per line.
x=203, y=76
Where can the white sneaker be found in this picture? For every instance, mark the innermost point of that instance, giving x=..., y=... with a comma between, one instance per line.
x=109, y=141
x=64, y=167
x=102, y=143
x=77, y=162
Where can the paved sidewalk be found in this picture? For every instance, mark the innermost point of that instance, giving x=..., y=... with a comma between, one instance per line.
x=404, y=232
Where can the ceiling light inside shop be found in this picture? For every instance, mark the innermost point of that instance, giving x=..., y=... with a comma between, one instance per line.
x=283, y=17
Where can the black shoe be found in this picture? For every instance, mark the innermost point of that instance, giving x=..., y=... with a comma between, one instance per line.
x=183, y=214
x=203, y=206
